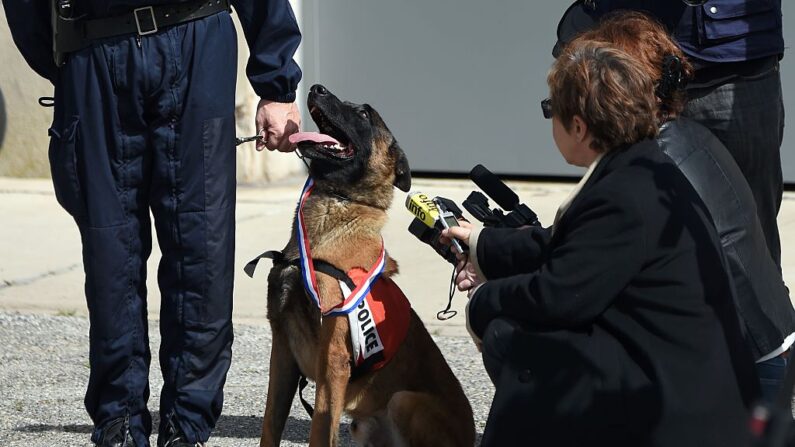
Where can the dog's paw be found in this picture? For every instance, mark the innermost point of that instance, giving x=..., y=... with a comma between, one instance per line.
x=376, y=431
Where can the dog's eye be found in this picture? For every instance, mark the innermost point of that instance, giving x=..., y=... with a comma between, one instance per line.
x=363, y=114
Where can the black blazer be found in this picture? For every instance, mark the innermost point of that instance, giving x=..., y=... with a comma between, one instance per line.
x=632, y=336
x=763, y=301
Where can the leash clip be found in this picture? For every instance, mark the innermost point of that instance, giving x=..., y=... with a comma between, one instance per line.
x=241, y=140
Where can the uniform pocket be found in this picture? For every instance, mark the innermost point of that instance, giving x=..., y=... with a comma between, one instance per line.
x=218, y=139
x=736, y=18
x=64, y=167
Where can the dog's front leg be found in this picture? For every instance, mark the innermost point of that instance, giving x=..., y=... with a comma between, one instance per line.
x=333, y=373
x=282, y=384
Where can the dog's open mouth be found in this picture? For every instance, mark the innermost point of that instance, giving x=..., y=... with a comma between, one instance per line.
x=330, y=141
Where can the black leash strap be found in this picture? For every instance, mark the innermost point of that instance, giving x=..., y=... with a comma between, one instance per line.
x=302, y=383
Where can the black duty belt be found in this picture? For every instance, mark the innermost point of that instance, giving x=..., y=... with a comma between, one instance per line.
x=79, y=33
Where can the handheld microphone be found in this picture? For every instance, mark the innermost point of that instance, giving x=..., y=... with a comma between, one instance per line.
x=436, y=214
x=430, y=236
x=423, y=208
x=448, y=220
x=494, y=187
x=518, y=215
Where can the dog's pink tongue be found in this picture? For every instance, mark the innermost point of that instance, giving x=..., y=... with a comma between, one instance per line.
x=313, y=137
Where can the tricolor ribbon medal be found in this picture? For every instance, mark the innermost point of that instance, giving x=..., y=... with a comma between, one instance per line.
x=351, y=299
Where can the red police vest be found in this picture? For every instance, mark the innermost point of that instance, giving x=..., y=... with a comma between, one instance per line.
x=379, y=323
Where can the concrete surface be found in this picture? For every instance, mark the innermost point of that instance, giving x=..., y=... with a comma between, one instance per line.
x=44, y=360
x=43, y=365
x=41, y=268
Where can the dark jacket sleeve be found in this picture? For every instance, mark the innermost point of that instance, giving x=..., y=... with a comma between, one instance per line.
x=600, y=249
x=29, y=21
x=273, y=36
x=508, y=251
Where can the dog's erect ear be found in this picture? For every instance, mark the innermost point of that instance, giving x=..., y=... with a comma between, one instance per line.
x=402, y=169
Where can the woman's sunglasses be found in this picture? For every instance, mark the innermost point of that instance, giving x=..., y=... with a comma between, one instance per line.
x=546, y=108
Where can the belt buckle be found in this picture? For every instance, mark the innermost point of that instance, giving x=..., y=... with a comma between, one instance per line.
x=138, y=20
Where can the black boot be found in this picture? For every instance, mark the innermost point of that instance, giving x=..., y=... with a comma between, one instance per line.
x=117, y=434
x=175, y=437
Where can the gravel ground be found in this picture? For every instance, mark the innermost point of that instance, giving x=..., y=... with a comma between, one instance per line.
x=44, y=371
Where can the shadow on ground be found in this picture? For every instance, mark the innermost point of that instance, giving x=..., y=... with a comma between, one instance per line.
x=296, y=430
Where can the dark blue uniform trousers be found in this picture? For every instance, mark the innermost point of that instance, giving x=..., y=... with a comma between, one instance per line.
x=140, y=126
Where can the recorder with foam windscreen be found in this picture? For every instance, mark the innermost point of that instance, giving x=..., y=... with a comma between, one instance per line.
x=431, y=217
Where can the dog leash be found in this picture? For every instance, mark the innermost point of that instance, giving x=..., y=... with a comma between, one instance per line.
x=302, y=383
x=241, y=140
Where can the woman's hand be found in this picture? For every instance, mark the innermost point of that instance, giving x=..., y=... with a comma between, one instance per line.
x=460, y=232
x=466, y=276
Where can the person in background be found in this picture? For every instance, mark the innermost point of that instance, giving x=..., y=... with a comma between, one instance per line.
x=144, y=120
x=735, y=47
x=763, y=300
x=616, y=325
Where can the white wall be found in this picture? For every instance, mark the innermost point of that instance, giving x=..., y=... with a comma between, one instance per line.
x=788, y=86
x=459, y=81
x=23, y=148
x=252, y=166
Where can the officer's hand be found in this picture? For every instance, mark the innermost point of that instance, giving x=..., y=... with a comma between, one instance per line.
x=276, y=121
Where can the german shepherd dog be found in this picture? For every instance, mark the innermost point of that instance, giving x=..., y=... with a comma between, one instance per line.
x=414, y=400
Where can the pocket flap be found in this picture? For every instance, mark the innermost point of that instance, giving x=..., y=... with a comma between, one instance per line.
x=736, y=8
x=733, y=19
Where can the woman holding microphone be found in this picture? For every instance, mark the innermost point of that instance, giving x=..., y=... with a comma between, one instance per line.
x=621, y=316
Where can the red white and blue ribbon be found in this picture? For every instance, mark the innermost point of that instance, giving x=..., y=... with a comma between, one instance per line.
x=355, y=297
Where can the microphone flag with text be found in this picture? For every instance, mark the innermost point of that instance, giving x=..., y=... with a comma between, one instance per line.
x=431, y=217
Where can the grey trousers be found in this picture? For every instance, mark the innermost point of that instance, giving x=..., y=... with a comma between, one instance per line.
x=747, y=115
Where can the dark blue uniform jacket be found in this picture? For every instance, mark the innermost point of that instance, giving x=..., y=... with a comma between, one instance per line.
x=717, y=31
x=269, y=26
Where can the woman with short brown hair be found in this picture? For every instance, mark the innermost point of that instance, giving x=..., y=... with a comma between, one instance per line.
x=650, y=46
x=613, y=96
x=763, y=300
x=615, y=326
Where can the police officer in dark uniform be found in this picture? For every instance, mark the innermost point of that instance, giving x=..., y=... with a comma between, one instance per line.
x=735, y=46
x=144, y=120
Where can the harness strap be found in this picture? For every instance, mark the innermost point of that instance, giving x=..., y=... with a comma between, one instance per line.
x=275, y=255
x=324, y=267
x=320, y=266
